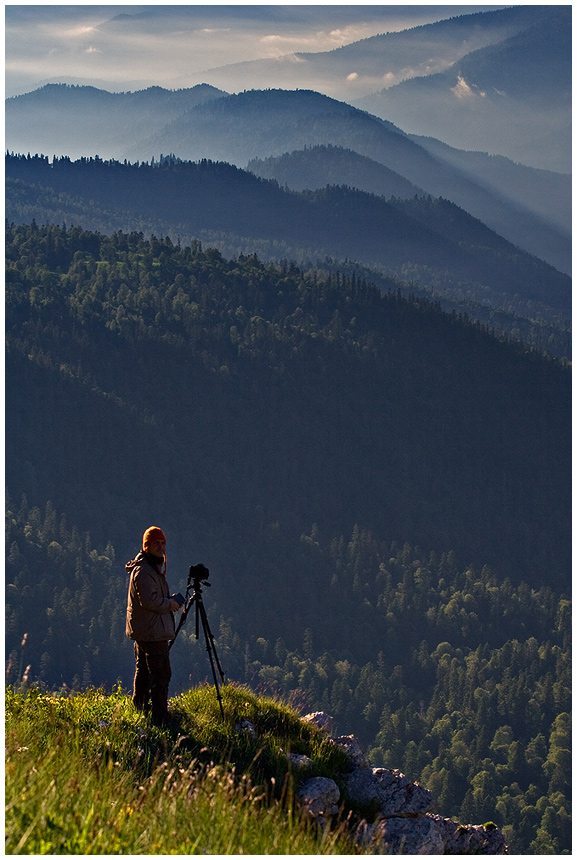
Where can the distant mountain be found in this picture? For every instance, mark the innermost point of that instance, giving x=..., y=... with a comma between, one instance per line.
x=512, y=98
x=365, y=66
x=431, y=241
x=79, y=120
x=263, y=124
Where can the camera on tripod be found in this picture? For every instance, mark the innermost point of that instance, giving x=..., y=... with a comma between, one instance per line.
x=197, y=577
x=198, y=572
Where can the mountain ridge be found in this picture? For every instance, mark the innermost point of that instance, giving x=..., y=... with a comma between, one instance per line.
x=341, y=221
x=237, y=129
x=522, y=205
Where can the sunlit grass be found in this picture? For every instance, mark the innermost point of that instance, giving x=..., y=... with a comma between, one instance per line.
x=86, y=774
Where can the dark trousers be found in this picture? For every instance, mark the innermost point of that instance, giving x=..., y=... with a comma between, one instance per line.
x=151, y=679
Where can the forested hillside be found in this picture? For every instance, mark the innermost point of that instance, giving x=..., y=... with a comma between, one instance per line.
x=429, y=425
x=380, y=490
x=428, y=241
x=531, y=208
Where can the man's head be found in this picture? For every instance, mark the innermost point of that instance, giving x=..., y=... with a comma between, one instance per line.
x=154, y=542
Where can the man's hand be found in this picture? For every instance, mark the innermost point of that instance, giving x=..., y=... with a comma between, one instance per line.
x=175, y=606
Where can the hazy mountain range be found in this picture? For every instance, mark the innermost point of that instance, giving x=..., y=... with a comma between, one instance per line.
x=529, y=207
x=370, y=64
x=513, y=97
x=498, y=81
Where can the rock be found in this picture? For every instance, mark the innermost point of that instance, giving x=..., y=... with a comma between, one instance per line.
x=354, y=752
x=404, y=821
x=248, y=727
x=394, y=793
x=319, y=796
x=296, y=760
x=321, y=720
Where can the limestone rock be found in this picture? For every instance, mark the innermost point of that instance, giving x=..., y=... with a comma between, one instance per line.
x=321, y=720
x=395, y=794
x=319, y=796
x=471, y=838
x=415, y=836
x=428, y=834
x=404, y=822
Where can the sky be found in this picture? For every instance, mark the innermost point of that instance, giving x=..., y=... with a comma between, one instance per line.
x=129, y=47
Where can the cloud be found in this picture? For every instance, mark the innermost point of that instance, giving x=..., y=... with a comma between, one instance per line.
x=80, y=30
x=463, y=91
x=146, y=44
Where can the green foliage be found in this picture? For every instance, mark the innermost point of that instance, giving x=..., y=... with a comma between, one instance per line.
x=85, y=774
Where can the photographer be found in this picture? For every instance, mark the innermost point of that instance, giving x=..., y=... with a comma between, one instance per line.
x=150, y=623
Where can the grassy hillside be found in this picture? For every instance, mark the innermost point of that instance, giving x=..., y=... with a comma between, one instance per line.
x=87, y=774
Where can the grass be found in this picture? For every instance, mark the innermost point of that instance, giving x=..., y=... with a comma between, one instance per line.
x=88, y=774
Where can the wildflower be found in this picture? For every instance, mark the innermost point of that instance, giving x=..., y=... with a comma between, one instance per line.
x=24, y=638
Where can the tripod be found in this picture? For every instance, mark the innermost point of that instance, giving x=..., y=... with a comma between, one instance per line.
x=197, y=577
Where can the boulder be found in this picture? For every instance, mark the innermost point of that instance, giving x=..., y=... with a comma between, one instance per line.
x=415, y=836
x=471, y=838
x=429, y=834
x=246, y=727
x=319, y=796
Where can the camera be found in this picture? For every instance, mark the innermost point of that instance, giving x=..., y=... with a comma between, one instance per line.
x=198, y=571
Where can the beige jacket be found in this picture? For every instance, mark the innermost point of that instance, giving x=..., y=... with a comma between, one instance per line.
x=148, y=615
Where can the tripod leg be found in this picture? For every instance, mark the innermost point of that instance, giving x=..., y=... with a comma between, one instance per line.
x=212, y=656
x=210, y=638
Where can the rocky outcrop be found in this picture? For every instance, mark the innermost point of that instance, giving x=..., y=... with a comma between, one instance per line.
x=390, y=789
x=402, y=809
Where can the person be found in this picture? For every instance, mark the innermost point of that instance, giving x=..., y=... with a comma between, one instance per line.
x=150, y=624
